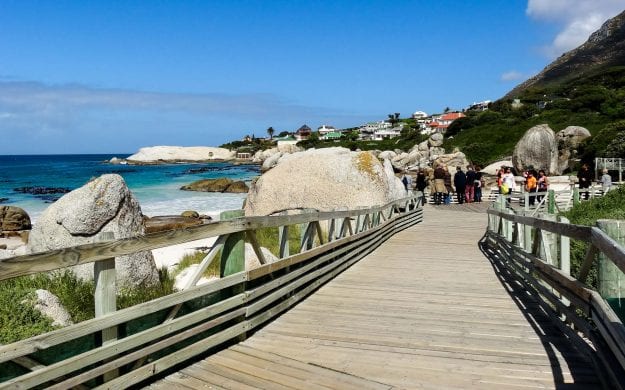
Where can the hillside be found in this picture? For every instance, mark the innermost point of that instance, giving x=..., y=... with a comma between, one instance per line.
x=603, y=49
x=584, y=87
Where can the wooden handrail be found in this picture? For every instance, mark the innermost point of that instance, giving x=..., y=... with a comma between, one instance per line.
x=86, y=253
x=533, y=264
x=219, y=311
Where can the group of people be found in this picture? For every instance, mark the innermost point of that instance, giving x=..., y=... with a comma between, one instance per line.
x=584, y=178
x=468, y=186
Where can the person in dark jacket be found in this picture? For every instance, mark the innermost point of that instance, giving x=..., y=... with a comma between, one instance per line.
x=460, y=181
x=585, y=180
x=470, y=190
x=421, y=183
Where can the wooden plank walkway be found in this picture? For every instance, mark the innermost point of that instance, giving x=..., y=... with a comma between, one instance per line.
x=425, y=310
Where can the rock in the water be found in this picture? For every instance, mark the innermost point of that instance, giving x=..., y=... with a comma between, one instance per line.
x=568, y=141
x=324, y=179
x=217, y=185
x=13, y=219
x=50, y=306
x=105, y=204
x=537, y=149
x=4, y=200
x=237, y=187
x=156, y=154
x=169, y=222
x=190, y=214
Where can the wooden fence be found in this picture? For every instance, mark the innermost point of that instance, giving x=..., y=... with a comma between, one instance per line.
x=123, y=348
x=536, y=252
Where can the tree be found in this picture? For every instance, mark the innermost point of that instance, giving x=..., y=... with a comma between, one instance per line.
x=393, y=118
x=447, y=109
x=270, y=132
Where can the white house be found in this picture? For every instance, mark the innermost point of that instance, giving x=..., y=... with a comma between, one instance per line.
x=419, y=115
x=325, y=129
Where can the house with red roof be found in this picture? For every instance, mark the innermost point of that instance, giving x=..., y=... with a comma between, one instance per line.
x=440, y=123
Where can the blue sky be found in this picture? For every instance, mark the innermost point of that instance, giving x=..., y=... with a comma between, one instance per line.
x=113, y=76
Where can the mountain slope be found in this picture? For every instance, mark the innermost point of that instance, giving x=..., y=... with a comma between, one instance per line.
x=604, y=48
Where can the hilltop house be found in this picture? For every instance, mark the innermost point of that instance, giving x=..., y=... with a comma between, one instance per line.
x=303, y=133
x=440, y=123
x=419, y=115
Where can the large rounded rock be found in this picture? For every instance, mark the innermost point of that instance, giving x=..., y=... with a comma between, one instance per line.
x=436, y=140
x=537, y=149
x=270, y=162
x=13, y=219
x=324, y=179
x=105, y=204
x=568, y=141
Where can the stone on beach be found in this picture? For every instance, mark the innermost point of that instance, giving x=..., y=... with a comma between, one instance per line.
x=13, y=219
x=105, y=204
x=324, y=179
x=156, y=154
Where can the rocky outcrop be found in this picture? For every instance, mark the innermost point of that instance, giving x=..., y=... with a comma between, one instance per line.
x=223, y=184
x=452, y=160
x=166, y=154
x=13, y=219
x=436, y=140
x=537, y=149
x=569, y=141
x=105, y=204
x=324, y=179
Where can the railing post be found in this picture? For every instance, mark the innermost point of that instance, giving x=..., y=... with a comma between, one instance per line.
x=283, y=240
x=575, y=196
x=106, y=296
x=551, y=206
x=565, y=250
x=610, y=279
x=233, y=252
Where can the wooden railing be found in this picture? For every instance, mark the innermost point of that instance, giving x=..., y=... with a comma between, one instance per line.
x=535, y=251
x=123, y=348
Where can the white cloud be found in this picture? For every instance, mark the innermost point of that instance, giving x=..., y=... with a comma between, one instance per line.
x=577, y=19
x=512, y=75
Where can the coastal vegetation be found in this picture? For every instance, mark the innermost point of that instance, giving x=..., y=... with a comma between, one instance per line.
x=21, y=320
x=610, y=206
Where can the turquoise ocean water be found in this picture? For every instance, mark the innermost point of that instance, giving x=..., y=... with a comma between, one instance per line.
x=155, y=186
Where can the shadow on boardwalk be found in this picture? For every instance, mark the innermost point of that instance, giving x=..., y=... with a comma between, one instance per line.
x=559, y=341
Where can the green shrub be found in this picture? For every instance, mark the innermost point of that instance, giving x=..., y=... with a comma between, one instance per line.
x=19, y=320
x=611, y=206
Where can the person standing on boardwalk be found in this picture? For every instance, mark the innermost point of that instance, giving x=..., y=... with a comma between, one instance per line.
x=439, y=184
x=606, y=181
x=585, y=180
x=407, y=180
x=460, y=182
x=507, y=183
x=542, y=184
x=470, y=189
x=421, y=183
x=531, y=186
x=449, y=189
x=477, y=197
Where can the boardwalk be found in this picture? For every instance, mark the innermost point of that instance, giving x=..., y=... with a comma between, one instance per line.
x=425, y=310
